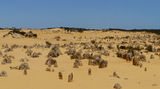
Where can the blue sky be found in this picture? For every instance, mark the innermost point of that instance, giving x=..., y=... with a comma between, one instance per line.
x=128, y=14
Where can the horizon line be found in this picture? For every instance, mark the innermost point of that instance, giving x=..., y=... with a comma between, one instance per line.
x=82, y=28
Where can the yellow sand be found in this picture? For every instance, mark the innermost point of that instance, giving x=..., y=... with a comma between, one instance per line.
x=38, y=78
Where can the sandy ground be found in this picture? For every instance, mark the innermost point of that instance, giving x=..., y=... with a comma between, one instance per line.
x=131, y=77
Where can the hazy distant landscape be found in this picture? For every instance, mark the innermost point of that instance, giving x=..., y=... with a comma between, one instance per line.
x=73, y=29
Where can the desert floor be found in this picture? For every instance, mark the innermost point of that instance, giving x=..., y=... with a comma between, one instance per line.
x=131, y=77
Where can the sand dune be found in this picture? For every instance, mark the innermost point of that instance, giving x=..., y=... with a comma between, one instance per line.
x=131, y=76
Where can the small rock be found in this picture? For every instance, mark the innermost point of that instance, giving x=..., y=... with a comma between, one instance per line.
x=152, y=56
x=48, y=69
x=70, y=77
x=89, y=71
x=75, y=65
x=60, y=75
x=145, y=69
x=25, y=71
x=24, y=66
x=115, y=75
x=117, y=86
x=6, y=60
x=3, y=74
